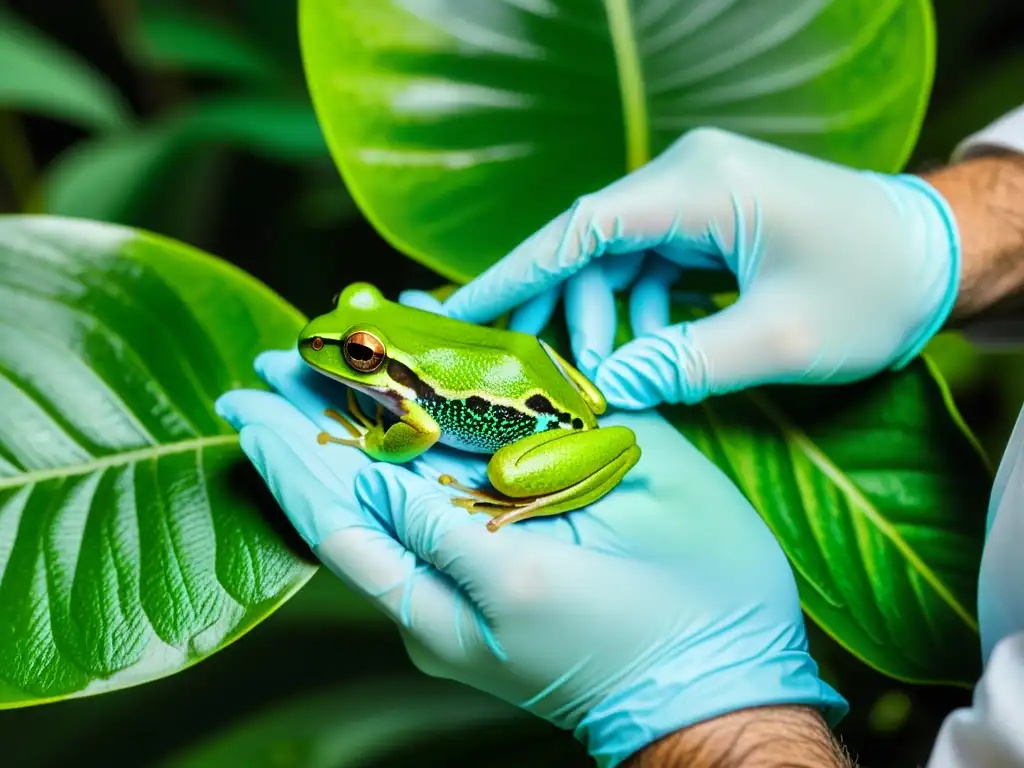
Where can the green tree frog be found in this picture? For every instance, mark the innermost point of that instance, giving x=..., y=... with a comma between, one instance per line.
x=474, y=388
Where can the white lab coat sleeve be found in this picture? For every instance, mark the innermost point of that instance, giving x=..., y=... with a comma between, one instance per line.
x=990, y=733
x=1005, y=134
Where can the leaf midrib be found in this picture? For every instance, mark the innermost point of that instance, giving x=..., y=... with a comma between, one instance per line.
x=631, y=83
x=805, y=445
x=116, y=459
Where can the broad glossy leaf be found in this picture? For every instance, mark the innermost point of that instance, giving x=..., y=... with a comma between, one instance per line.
x=878, y=495
x=134, y=538
x=38, y=75
x=365, y=724
x=178, y=38
x=462, y=126
x=111, y=177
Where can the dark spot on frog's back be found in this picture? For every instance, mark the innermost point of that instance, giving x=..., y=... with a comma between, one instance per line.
x=477, y=404
x=541, y=405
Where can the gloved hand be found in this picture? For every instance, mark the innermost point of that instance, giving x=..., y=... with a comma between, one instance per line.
x=841, y=273
x=666, y=603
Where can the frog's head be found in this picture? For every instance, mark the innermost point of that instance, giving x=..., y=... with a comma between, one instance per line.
x=347, y=343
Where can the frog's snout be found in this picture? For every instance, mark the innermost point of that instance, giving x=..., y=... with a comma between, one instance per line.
x=313, y=345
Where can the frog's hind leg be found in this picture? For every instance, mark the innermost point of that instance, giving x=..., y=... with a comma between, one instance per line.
x=506, y=510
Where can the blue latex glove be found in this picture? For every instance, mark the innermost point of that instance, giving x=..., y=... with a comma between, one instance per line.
x=666, y=603
x=842, y=273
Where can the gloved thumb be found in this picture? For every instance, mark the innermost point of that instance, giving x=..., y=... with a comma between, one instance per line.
x=751, y=342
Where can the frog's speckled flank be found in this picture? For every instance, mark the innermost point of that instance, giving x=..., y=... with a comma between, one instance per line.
x=473, y=424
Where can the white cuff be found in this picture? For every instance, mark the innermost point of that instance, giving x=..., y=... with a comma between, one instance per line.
x=1006, y=133
x=990, y=733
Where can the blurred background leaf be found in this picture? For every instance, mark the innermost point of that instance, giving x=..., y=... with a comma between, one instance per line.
x=40, y=76
x=387, y=721
x=114, y=178
x=183, y=40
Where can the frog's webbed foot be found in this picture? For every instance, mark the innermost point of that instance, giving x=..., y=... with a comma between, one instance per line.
x=496, y=505
x=480, y=500
x=549, y=498
x=358, y=435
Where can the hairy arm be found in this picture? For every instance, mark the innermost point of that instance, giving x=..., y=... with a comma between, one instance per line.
x=761, y=737
x=986, y=194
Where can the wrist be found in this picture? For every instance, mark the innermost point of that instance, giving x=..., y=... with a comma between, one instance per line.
x=986, y=196
x=938, y=239
x=762, y=737
x=683, y=693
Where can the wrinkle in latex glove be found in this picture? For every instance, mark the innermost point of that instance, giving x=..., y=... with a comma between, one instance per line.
x=665, y=603
x=842, y=273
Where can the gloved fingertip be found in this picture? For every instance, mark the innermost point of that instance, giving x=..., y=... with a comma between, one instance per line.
x=276, y=361
x=421, y=300
x=266, y=357
x=621, y=387
x=662, y=367
x=587, y=359
x=535, y=314
x=472, y=303
x=224, y=406
x=252, y=439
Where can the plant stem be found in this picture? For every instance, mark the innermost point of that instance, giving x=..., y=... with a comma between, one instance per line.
x=16, y=160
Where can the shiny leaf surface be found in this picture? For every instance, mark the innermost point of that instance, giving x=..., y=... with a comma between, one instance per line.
x=462, y=126
x=135, y=540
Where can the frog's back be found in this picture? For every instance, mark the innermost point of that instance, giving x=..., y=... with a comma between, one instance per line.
x=498, y=386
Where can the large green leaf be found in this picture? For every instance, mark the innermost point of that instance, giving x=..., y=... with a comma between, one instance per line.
x=114, y=176
x=878, y=495
x=462, y=126
x=39, y=76
x=134, y=539
x=181, y=39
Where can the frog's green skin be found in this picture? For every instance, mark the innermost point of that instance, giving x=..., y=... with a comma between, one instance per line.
x=474, y=388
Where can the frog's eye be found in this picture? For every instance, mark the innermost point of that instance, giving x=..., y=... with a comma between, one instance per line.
x=364, y=352
x=334, y=299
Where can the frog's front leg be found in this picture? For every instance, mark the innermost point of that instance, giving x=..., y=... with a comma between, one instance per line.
x=553, y=472
x=403, y=441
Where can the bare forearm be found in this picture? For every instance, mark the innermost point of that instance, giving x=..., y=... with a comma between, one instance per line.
x=987, y=198
x=763, y=737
